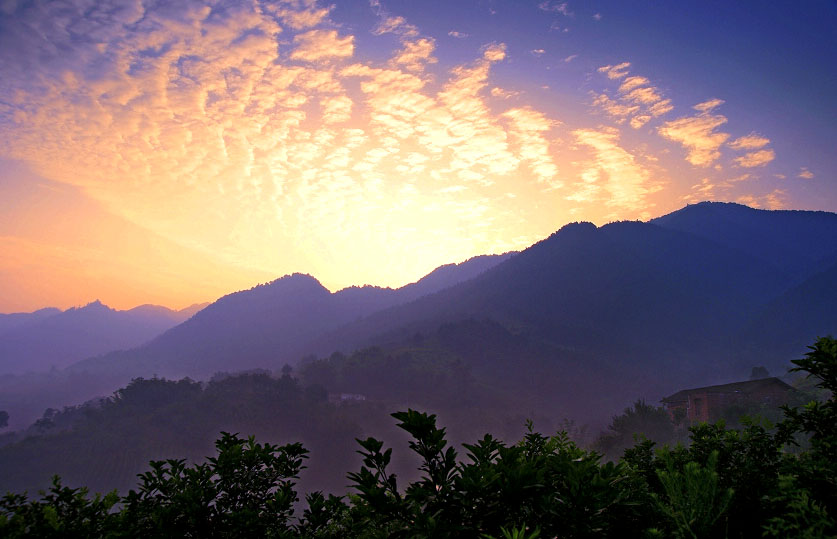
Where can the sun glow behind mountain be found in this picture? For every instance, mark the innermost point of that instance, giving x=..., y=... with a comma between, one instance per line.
x=173, y=152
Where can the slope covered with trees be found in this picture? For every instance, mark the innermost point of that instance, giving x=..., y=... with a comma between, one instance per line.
x=760, y=481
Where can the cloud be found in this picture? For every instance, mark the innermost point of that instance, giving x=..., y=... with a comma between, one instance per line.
x=707, y=106
x=617, y=71
x=455, y=125
x=776, y=200
x=317, y=45
x=494, y=52
x=738, y=179
x=570, y=58
x=614, y=108
x=697, y=134
x=503, y=93
x=752, y=141
x=804, y=173
x=336, y=109
x=749, y=200
x=416, y=54
x=661, y=107
x=458, y=35
x=305, y=15
x=528, y=127
x=395, y=25
x=639, y=120
x=755, y=159
x=615, y=170
x=633, y=82
x=259, y=133
x=537, y=52
x=644, y=96
x=705, y=190
x=555, y=7
x=597, y=16
x=637, y=99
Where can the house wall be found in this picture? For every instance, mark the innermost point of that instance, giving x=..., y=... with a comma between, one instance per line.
x=708, y=406
x=699, y=406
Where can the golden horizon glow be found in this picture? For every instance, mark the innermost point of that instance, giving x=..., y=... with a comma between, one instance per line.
x=204, y=149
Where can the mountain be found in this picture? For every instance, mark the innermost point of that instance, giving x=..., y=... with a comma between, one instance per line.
x=14, y=321
x=50, y=338
x=624, y=310
x=577, y=326
x=786, y=326
x=152, y=312
x=800, y=243
x=634, y=299
x=270, y=324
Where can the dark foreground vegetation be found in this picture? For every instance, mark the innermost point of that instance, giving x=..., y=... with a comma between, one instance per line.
x=762, y=480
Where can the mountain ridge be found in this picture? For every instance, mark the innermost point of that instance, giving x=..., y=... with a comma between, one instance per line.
x=647, y=305
x=50, y=338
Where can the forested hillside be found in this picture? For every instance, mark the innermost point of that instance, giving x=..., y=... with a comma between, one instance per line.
x=764, y=480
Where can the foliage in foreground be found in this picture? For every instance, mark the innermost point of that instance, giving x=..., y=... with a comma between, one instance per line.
x=726, y=483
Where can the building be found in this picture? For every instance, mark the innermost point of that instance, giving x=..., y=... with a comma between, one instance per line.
x=708, y=403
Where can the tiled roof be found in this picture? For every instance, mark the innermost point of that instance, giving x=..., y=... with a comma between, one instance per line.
x=749, y=386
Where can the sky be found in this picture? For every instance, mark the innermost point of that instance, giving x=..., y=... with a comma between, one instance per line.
x=172, y=152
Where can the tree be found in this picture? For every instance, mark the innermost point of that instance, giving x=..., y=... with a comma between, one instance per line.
x=247, y=490
x=643, y=419
x=816, y=469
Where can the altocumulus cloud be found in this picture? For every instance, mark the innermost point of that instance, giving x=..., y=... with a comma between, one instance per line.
x=253, y=130
x=252, y=127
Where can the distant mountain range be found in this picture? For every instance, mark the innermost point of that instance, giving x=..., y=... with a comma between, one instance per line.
x=49, y=338
x=577, y=326
x=681, y=291
x=271, y=324
x=629, y=309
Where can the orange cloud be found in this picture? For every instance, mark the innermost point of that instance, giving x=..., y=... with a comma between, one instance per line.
x=318, y=45
x=617, y=71
x=416, y=54
x=755, y=159
x=626, y=181
x=749, y=142
x=259, y=137
x=638, y=100
x=697, y=134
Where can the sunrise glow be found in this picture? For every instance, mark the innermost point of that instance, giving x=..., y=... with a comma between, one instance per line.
x=170, y=153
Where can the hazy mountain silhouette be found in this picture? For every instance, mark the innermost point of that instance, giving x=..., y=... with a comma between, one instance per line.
x=578, y=325
x=13, y=321
x=790, y=323
x=800, y=243
x=270, y=324
x=157, y=311
x=636, y=308
x=50, y=338
x=655, y=304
